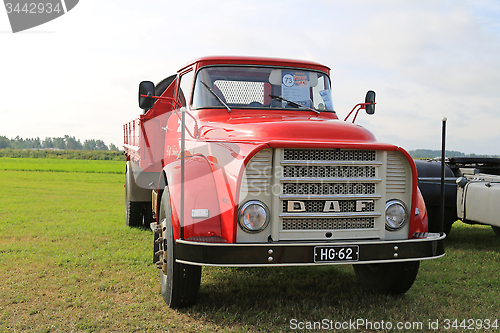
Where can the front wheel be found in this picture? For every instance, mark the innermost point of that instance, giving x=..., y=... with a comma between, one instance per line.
x=180, y=283
x=496, y=230
x=390, y=278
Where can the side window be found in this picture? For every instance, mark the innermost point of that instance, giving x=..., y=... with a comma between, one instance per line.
x=186, y=86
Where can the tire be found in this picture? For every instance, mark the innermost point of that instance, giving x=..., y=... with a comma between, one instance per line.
x=148, y=214
x=133, y=210
x=496, y=230
x=391, y=278
x=180, y=283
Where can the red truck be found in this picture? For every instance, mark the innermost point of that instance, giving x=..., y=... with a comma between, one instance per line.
x=240, y=161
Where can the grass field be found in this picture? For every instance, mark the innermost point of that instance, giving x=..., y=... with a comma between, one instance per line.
x=64, y=154
x=62, y=165
x=69, y=263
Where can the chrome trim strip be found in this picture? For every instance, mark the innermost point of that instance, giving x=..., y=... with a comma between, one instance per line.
x=330, y=180
x=332, y=163
x=335, y=231
x=339, y=215
x=310, y=264
x=437, y=179
x=331, y=197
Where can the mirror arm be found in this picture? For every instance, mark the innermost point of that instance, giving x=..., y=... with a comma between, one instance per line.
x=360, y=106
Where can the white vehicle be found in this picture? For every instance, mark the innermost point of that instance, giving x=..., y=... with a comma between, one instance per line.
x=472, y=191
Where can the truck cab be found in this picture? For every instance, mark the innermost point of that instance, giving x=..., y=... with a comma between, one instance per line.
x=244, y=162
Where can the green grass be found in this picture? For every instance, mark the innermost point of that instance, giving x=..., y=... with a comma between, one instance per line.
x=69, y=263
x=61, y=165
x=64, y=154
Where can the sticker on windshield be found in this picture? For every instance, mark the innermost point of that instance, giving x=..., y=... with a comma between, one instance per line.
x=327, y=98
x=296, y=88
x=288, y=80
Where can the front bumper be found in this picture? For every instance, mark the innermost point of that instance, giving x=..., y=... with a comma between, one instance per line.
x=302, y=254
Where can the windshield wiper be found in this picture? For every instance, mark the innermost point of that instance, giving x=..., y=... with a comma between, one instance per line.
x=217, y=97
x=279, y=98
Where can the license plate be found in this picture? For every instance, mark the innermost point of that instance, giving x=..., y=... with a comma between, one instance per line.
x=336, y=253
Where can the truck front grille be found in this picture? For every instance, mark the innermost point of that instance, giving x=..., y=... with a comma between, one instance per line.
x=329, y=191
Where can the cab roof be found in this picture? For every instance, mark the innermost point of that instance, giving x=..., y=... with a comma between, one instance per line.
x=262, y=61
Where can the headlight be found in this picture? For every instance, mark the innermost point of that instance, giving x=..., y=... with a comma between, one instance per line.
x=396, y=215
x=253, y=216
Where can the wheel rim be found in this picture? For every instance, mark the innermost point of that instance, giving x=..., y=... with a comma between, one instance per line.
x=164, y=256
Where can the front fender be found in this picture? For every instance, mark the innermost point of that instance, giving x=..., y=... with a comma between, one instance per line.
x=201, y=208
x=420, y=222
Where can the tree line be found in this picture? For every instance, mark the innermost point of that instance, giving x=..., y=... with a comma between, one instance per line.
x=64, y=143
x=428, y=153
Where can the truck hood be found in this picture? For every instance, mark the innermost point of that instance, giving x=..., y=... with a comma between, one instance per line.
x=270, y=128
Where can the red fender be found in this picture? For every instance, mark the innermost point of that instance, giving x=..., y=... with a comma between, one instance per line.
x=418, y=223
x=200, y=195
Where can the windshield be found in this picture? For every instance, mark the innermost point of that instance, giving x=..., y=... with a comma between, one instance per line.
x=261, y=87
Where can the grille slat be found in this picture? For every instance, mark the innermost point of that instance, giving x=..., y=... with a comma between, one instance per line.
x=396, y=176
x=329, y=155
x=328, y=223
x=318, y=206
x=257, y=177
x=328, y=189
x=329, y=171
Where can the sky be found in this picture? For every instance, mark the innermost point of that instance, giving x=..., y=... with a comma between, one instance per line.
x=78, y=75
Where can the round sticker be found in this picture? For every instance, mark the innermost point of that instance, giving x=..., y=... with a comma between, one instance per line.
x=288, y=80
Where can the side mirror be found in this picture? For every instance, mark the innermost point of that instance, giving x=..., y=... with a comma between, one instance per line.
x=370, y=98
x=146, y=88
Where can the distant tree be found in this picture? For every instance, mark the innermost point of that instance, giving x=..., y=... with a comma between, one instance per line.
x=89, y=145
x=18, y=143
x=100, y=145
x=48, y=143
x=4, y=142
x=72, y=143
x=94, y=145
x=66, y=142
x=35, y=143
x=112, y=147
x=428, y=153
x=59, y=143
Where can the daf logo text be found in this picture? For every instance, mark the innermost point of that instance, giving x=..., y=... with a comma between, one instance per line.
x=331, y=206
